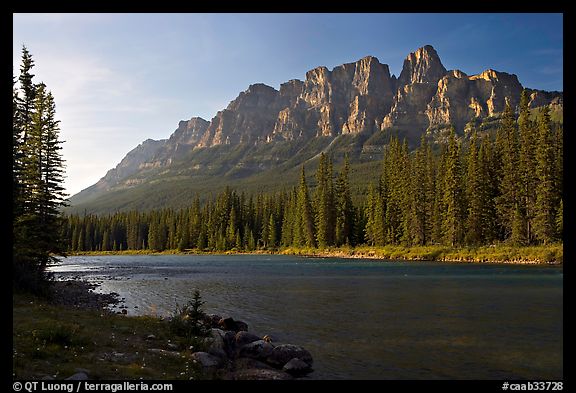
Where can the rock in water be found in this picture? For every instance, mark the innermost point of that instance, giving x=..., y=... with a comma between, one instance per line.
x=259, y=350
x=241, y=326
x=230, y=324
x=242, y=338
x=297, y=367
x=282, y=354
x=227, y=324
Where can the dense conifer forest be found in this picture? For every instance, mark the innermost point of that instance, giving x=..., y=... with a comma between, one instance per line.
x=481, y=189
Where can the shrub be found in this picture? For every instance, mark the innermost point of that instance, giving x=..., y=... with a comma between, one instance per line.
x=188, y=321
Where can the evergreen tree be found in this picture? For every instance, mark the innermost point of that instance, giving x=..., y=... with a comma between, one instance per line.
x=304, y=226
x=372, y=229
x=545, y=214
x=453, y=218
x=272, y=240
x=476, y=194
x=560, y=220
x=344, y=207
x=507, y=145
x=519, y=236
x=323, y=204
x=487, y=191
x=527, y=168
x=38, y=170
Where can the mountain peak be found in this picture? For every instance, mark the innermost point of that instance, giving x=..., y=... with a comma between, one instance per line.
x=359, y=97
x=422, y=66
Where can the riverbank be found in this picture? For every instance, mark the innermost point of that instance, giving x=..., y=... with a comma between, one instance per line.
x=73, y=335
x=549, y=254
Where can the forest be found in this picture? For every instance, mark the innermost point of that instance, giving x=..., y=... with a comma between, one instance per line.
x=484, y=188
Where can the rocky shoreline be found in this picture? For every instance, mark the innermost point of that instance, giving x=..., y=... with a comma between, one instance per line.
x=81, y=294
x=228, y=352
x=235, y=354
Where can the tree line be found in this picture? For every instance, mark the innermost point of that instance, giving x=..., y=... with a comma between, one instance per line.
x=37, y=176
x=492, y=187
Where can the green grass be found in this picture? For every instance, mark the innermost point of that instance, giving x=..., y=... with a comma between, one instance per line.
x=497, y=254
x=56, y=340
x=500, y=253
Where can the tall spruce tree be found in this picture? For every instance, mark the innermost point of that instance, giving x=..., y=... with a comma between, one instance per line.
x=454, y=216
x=487, y=191
x=344, y=207
x=527, y=135
x=324, y=204
x=304, y=225
x=507, y=145
x=475, y=195
x=38, y=170
x=545, y=214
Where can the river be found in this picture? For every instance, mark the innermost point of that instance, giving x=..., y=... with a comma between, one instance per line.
x=362, y=319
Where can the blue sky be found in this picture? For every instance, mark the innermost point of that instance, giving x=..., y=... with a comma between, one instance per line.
x=119, y=79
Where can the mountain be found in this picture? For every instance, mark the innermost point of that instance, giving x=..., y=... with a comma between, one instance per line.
x=263, y=136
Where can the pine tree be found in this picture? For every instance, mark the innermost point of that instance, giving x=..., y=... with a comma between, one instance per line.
x=322, y=204
x=526, y=167
x=38, y=170
x=453, y=219
x=519, y=236
x=371, y=231
x=560, y=220
x=344, y=207
x=419, y=194
x=272, y=240
x=304, y=226
x=507, y=145
x=544, y=220
x=288, y=220
x=487, y=191
x=474, y=189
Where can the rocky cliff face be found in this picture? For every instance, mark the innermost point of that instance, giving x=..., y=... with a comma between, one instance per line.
x=184, y=139
x=134, y=161
x=348, y=99
x=422, y=66
x=358, y=97
x=353, y=98
x=247, y=119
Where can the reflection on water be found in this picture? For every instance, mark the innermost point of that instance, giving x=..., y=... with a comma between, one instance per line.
x=363, y=319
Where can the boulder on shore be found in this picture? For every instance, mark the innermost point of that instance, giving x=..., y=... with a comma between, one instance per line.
x=242, y=338
x=283, y=353
x=258, y=350
x=230, y=324
x=297, y=367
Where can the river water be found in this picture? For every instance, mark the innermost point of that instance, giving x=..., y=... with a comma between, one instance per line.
x=362, y=319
